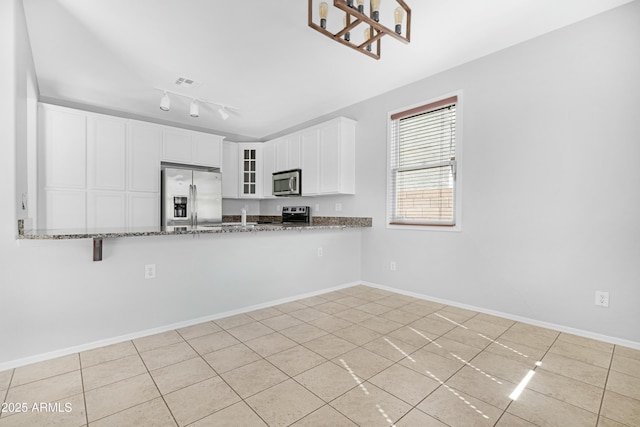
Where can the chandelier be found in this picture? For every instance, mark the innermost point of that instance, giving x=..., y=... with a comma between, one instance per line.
x=357, y=29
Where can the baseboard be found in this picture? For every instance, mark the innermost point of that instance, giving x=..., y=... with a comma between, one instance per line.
x=127, y=337
x=534, y=322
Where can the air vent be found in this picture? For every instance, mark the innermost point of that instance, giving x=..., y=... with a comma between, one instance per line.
x=184, y=82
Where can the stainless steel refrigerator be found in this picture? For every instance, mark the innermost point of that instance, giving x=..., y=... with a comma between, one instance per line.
x=190, y=196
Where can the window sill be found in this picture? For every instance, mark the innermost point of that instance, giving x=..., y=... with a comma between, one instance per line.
x=423, y=227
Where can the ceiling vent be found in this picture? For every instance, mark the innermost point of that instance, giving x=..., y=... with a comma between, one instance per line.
x=185, y=82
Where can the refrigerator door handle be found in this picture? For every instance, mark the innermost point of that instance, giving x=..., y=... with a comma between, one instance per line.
x=195, y=204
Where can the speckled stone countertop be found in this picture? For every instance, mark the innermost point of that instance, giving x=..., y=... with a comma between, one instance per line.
x=230, y=225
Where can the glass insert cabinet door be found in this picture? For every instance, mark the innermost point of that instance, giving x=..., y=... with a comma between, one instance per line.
x=249, y=171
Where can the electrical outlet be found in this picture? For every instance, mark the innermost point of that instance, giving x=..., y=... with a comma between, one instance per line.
x=602, y=298
x=320, y=252
x=150, y=271
x=392, y=266
x=317, y=207
x=338, y=207
x=278, y=208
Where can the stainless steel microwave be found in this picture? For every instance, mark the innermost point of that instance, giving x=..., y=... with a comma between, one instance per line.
x=287, y=183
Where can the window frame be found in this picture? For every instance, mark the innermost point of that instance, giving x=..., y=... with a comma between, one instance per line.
x=457, y=202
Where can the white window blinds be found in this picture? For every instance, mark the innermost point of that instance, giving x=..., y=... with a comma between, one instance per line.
x=423, y=165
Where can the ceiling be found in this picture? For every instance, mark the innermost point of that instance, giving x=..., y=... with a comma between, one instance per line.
x=259, y=56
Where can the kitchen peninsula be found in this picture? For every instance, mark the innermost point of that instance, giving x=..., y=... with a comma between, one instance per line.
x=253, y=226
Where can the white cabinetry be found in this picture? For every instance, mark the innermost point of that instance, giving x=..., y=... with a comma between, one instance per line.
x=192, y=148
x=106, y=210
x=64, y=209
x=310, y=147
x=251, y=184
x=268, y=167
x=143, y=209
x=143, y=157
x=337, y=157
x=101, y=171
x=106, y=152
x=63, y=143
x=207, y=149
x=325, y=153
x=230, y=174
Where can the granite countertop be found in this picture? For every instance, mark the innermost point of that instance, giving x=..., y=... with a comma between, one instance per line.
x=230, y=225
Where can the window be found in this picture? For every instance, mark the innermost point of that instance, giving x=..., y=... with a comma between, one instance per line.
x=422, y=165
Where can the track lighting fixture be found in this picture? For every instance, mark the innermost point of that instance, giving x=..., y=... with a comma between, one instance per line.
x=223, y=113
x=194, y=107
x=194, y=111
x=165, y=102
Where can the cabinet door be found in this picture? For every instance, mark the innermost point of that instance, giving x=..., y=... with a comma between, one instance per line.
x=106, y=210
x=106, y=150
x=207, y=149
x=230, y=174
x=250, y=165
x=310, y=151
x=64, y=146
x=144, y=157
x=282, y=154
x=330, y=158
x=269, y=167
x=143, y=210
x=295, y=161
x=65, y=209
x=177, y=146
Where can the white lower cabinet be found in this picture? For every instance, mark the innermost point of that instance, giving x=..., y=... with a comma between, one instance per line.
x=106, y=210
x=65, y=209
x=143, y=209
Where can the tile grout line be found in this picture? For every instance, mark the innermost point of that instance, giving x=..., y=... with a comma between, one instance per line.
x=84, y=395
x=604, y=389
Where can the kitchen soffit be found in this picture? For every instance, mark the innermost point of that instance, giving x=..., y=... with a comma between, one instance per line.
x=259, y=56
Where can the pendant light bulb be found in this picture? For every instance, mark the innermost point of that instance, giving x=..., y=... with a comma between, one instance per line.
x=165, y=102
x=367, y=36
x=324, y=9
x=194, y=111
x=375, y=10
x=347, y=35
x=399, y=16
x=360, y=5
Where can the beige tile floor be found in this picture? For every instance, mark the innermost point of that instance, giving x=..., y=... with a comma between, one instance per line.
x=355, y=357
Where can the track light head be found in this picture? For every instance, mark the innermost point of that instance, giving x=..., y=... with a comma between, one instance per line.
x=165, y=102
x=194, y=111
x=223, y=113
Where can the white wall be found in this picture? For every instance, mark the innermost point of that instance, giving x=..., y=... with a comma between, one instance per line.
x=550, y=181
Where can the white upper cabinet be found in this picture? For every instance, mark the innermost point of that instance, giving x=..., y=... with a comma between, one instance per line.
x=192, y=148
x=310, y=154
x=63, y=141
x=338, y=157
x=250, y=165
x=269, y=161
x=143, y=157
x=325, y=153
x=207, y=149
x=177, y=146
x=106, y=152
x=230, y=174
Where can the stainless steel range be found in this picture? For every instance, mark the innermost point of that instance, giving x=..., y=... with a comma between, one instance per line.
x=296, y=214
